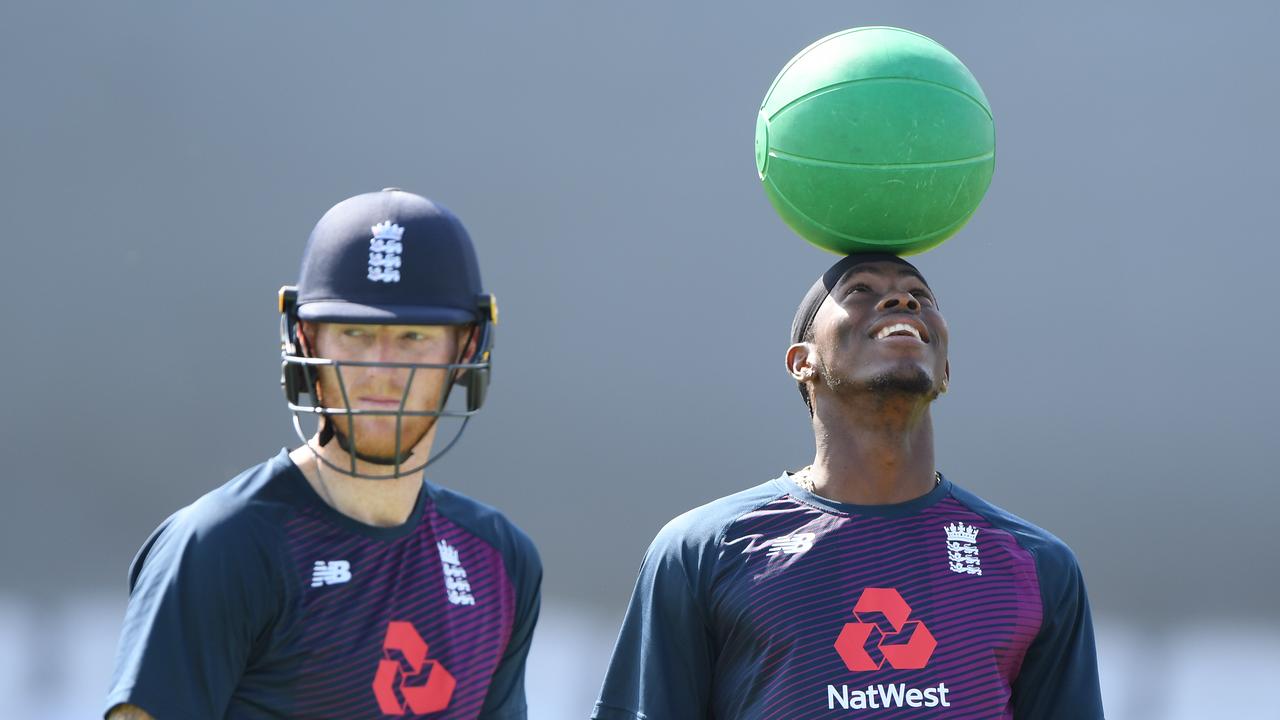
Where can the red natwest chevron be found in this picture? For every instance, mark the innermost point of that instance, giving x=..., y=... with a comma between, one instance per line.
x=432, y=685
x=854, y=638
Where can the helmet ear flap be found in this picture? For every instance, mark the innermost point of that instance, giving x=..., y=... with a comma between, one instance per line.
x=477, y=383
x=293, y=377
x=476, y=380
x=292, y=381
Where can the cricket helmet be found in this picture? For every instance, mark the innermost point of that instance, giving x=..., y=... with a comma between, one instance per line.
x=386, y=258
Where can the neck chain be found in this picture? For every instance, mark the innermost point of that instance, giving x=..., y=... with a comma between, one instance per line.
x=804, y=479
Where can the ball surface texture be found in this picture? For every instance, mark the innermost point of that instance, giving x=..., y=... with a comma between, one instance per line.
x=875, y=139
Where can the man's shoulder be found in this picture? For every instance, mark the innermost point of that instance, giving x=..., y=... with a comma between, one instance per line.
x=704, y=526
x=485, y=522
x=247, y=505
x=1050, y=552
x=241, y=517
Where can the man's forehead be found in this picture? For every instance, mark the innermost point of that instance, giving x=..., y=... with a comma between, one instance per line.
x=883, y=268
x=849, y=266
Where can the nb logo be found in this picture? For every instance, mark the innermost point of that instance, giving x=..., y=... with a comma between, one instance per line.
x=793, y=544
x=330, y=573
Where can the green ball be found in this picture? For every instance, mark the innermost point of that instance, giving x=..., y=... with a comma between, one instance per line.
x=875, y=139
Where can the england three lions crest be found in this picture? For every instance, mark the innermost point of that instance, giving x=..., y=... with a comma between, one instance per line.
x=962, y=549
x=456, y=583
x=384, y=252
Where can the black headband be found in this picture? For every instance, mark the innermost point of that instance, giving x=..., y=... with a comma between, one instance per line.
x=823, y=286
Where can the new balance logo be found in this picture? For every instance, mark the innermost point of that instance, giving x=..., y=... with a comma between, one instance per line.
x=455, y=576
x=793, y=544
x=330, y=573
x=962, y=549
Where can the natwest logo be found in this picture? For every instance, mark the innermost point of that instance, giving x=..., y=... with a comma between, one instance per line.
x=884, y=633
x=407, y=681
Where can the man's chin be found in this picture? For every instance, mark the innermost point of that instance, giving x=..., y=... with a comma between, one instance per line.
x=901, y=381
x=381, y=450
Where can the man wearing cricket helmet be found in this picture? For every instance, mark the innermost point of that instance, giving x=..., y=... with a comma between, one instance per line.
x=335, y=580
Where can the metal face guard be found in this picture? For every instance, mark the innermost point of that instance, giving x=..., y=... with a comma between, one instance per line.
x=308, y=367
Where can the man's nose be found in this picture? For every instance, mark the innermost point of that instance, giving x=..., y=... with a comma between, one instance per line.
x=899, y=301
x=386, y=348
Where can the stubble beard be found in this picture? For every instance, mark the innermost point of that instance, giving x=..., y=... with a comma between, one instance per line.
x=911, y=381
x=380, y=446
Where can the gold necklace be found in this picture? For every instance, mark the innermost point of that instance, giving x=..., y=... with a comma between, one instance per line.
x=805, y=481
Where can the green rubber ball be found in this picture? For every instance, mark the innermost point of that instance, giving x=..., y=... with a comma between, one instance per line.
x=875, y=139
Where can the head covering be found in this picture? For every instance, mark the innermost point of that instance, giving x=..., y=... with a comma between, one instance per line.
x=826, y=282
x=390, y=257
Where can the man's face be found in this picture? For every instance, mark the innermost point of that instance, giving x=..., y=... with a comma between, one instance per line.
x=379, y=388
x=880, y=330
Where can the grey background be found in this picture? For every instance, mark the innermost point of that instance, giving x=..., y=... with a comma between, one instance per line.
x=1114, y=345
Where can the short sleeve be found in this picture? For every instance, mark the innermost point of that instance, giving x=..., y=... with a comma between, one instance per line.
x=1059, y=675
x=662, y=662
x=200, y=594
x=506, y=697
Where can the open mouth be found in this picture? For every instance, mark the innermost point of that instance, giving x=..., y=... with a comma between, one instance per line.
x=902, y=329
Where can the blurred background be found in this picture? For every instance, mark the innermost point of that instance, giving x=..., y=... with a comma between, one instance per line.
x=1114, y=345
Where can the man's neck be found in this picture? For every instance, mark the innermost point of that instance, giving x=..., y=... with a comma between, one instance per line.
x=381, y=503
x=875, y=451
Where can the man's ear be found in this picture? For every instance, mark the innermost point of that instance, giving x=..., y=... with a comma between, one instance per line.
x=801, y=361
x=306, y=331
x=469, y=334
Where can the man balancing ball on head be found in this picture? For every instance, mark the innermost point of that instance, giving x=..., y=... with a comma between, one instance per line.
x=867, y=581
x=334, y=581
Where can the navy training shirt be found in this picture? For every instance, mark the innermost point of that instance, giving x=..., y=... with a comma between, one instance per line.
x=260, y=600
x=777, y=604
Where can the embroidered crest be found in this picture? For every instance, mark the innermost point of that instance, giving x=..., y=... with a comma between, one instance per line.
x=962, y=549
x=384, y=252
x=455, y=577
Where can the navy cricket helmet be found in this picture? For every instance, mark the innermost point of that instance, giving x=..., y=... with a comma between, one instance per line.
x=386, y=258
